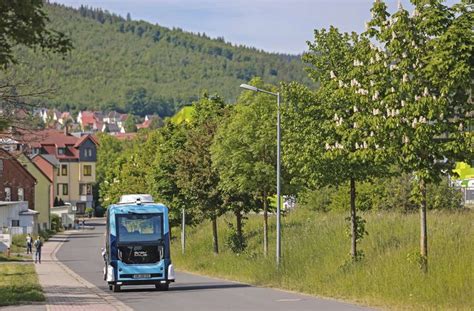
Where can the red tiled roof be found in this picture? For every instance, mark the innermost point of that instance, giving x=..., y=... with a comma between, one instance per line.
x=146, y=124
x=51, y=140
x=125, y=136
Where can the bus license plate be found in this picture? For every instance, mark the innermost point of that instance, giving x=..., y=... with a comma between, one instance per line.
x=141, y=276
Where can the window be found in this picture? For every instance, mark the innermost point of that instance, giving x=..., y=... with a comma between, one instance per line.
x=8, y=194
x=87, y=170
x=64, y=169
x=65, y=189
x=61, y=150
x=21, y=194
x=85, y=189
x=1, y=167
x=15, y=223
x=36, y=151
x=88, y=152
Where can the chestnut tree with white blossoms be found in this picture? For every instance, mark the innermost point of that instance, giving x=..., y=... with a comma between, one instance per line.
x=400, y=93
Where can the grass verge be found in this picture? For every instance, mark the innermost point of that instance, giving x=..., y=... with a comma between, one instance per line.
x=19, y=284
x=315, y=251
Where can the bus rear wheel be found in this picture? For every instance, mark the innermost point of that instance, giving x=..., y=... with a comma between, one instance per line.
x=162, y=286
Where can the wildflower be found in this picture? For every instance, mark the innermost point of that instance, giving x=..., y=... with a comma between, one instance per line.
x=332, y=74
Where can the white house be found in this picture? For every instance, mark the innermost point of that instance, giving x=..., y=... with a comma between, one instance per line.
x=16, y=218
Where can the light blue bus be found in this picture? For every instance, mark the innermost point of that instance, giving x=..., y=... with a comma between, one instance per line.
x=137, y=244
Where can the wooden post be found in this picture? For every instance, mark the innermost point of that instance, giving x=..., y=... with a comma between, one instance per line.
x=183, y=231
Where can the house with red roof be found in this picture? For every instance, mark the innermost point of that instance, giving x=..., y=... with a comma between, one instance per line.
x=69, y=161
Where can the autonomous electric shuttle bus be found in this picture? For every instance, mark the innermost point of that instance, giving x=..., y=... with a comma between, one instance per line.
x=137, y=244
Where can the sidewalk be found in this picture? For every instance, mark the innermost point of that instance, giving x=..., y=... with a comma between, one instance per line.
x=64, y=289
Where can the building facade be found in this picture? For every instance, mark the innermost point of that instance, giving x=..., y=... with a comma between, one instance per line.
x=43, y=187
x=70, y=162
x=16, y=183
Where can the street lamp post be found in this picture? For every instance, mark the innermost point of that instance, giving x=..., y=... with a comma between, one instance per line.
x=278, y=239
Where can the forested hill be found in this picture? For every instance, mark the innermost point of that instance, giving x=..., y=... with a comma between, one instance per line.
x=135, y=66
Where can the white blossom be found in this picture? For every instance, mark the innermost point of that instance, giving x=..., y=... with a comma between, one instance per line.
x=375, y=111
x=371, y=133
x=332, y=74
x=403, y=103
x=405, y=77
x=365, y=145
x=377, y=57
x=417, y=97
x=356, y=145
x=425, y=92
x=355, y=108
x=341, y=84
x=372, y=83
x=404, y=55
x=355, y=125
x=336, y=117
x=376, y=95
x=392, y=89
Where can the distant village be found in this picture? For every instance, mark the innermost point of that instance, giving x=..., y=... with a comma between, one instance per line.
x=52, y=171
x=112, y=122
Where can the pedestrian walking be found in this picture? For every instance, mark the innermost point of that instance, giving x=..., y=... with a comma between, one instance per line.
x=38, y=245
x=29, y=244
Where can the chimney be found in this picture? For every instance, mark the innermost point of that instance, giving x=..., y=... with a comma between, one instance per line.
x=66, y=129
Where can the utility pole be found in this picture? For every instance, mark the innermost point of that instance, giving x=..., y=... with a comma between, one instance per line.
x=183, y=232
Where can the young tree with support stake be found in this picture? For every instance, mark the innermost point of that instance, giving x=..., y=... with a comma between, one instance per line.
x=330, y=136
x=244, y=151
x=195, y=175
x=426, y=89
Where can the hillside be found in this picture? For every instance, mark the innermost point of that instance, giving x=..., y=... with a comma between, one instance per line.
x=114, y=59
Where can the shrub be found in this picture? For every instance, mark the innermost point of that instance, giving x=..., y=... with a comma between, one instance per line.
x=55, y=223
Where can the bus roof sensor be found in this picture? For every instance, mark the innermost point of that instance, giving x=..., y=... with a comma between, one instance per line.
x=136, y=199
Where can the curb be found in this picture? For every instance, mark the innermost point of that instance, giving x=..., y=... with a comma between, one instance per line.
x=111, y=300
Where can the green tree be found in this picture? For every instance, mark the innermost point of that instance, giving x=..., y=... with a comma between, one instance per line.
x=162, y=178
x=425, y=82
x=25, y=23
x=330, y=133
x=130, y=125
x=244, y=151
x=195, y=175
x=106, y=173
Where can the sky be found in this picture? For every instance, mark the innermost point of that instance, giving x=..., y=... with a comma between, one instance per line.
x=281, y=26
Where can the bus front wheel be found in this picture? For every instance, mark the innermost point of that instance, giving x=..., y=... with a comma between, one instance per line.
x=162, y=287
x=116, y=288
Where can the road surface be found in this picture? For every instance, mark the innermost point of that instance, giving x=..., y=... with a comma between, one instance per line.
x=81, y=253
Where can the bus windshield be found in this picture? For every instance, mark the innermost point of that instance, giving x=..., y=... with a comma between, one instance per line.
x=133, y=228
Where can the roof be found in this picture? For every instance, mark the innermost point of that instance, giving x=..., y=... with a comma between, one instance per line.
x=112, y=127
x=35, y=166
x=50, y=158
x=125, y=136
x=29, y=212
x=15, y=162
x=83, y=139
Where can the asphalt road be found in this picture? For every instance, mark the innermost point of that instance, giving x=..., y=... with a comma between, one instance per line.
x=82, y=254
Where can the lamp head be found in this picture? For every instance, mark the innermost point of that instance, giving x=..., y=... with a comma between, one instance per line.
x=249, y=87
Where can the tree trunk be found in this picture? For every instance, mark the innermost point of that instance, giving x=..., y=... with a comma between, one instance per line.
x=265, y=224
x=423, y=229
x=353, y=221
x=214, y=235
x=238, y=219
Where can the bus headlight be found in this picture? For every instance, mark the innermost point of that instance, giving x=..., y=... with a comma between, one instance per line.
x=171, y=275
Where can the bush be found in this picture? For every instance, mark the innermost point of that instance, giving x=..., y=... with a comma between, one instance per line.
x=99, y=211
x=55, y=223
x=391, y=193
x=89, y=211
x=234, y=242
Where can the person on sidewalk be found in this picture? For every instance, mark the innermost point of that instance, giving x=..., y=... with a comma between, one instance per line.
x=29, y=243
x=38, y=245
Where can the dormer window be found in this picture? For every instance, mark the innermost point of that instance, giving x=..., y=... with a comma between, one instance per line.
x=61, y=150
